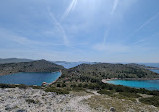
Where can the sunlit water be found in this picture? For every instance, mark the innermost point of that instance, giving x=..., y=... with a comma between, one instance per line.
x=147, y=84
x=29, y=78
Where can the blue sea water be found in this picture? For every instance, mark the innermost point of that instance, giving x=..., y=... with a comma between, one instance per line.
x=147, y=84
x=151, y=64
x=29, y=78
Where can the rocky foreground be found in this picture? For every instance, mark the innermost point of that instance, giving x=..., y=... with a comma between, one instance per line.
x=36, y=100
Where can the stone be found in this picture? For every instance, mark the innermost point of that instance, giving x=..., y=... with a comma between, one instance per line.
x=112, y=109
x=21, y=110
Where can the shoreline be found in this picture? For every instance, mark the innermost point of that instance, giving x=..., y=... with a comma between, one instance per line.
x=131, y=79
x=42, y=83
x=57, y=78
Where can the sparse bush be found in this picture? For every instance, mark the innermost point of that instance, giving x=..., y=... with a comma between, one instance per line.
x=7, y=86
x=63, y=85
x=151, y=101
x=32, y=101
x=104, y=91
x=58, y=85
x=57, y=90
x=77, y=89
x=22, y=86
x=129, y=95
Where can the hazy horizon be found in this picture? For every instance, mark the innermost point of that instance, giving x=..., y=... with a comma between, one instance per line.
x=113, y=31
x=82, y=61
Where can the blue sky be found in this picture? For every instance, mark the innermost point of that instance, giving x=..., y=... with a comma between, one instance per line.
x=80, y=30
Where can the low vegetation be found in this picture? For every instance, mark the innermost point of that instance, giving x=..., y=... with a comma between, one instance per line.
x=32, y=101
x=151, y=100
x=22, y=86
x=33, y=66
x=94, y=72
x=87, y=76
x=57, y=90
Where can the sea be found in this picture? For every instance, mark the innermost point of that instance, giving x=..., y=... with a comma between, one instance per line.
x=147, y=84
x=30, y=78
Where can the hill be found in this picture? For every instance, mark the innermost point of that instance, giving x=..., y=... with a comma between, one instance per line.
x=34, y=66
x=97, y=72
x=13, y=60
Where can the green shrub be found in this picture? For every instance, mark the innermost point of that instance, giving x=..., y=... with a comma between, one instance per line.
x=80, y=85
x=104, y=91
x=36, y=87
x=22, y=86
x=58, y=85
x=129, y=95
x=7, y=86
x=151, y=100
x=31, y=101
x=73, y=85
x=77, y=89
x=57, y=90
x=63, y=85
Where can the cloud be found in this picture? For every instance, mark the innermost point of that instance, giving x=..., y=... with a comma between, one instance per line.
x=9, y=36
x=147, y=22
x=60, y=27
x=115, y=4
x=69, y=9
x=106, y=35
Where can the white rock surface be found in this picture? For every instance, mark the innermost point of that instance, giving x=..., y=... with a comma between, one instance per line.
x=14, y=100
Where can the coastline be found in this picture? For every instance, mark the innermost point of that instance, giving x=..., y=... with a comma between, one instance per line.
x=57, y=78
x=41, y=83
x=137, y=79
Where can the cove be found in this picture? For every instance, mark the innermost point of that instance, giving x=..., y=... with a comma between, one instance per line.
x=147, y=84
x=30, y=78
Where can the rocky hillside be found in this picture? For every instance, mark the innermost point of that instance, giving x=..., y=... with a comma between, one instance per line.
x=34, y=66
x=36, y=100
x=94, y=72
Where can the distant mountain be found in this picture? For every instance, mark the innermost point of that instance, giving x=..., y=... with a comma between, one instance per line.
x=71, y=64
x=34, y=66
x=13, y=60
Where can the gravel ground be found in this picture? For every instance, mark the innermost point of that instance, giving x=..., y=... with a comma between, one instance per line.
x=35, y=100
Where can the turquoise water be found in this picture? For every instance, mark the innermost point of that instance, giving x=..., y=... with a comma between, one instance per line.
x=29, y=78
x=147, y=84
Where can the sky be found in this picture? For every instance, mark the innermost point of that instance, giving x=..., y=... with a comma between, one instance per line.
x=80, y=30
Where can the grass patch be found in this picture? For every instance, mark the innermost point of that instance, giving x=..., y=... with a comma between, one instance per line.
x=150, y=100
x=130, y=95
x=57, y=90
x=21, y=86
x=120, y=95
x=78, y=89
x=106, y=92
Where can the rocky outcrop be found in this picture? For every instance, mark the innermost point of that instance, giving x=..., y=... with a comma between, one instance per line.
x=36, y=100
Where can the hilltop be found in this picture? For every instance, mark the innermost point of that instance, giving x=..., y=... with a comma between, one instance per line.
x=33, y=66
x=99, y=71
